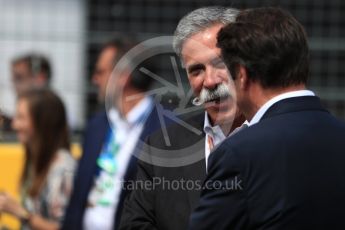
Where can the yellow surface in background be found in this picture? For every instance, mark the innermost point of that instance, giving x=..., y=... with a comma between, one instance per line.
x=11, y=163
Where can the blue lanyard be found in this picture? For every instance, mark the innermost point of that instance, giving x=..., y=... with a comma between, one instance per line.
x=107, y=159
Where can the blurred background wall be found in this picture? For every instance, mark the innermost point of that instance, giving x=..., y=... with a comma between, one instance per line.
x=324, y=21
x=56, y=29
x=70, y=33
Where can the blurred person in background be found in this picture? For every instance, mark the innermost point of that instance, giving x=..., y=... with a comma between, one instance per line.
x=110, y=145
x=46, y=183
x=104, y=66
x=30, y=70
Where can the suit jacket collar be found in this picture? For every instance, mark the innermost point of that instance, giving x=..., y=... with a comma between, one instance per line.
x=197, y=121
x=294, y=104
x=197, y=173
x=98, y=134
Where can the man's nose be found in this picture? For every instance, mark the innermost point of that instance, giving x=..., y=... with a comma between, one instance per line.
x=211, y=79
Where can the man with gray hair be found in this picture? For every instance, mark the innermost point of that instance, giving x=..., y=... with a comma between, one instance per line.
x=168, y=205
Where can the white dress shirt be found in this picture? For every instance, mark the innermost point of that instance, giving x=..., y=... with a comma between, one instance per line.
x=298, y=93
x=127, y=132
x=215, y=132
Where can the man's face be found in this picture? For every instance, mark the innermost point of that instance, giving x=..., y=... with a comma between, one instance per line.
x=21, y=77
x=103, y=70
x=206, y=71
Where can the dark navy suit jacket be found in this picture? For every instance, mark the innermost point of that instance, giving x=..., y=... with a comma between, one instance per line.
x=285, y=172
x=94, y=139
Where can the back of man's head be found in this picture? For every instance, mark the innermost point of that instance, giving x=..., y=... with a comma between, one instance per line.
x=270, y=43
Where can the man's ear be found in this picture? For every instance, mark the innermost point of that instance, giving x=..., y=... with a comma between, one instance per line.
x=243, y=77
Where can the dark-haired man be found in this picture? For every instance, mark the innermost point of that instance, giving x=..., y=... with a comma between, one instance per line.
x=286, y=170
x=109, y=146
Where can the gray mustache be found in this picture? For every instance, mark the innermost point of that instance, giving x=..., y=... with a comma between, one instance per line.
x=207, y=95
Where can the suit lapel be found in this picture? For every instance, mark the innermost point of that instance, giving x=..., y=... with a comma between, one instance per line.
x=98, y=137
x=103, y=131
x=196, y=171
x=95, y=137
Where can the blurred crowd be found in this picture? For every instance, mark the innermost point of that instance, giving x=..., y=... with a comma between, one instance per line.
x=42, y=127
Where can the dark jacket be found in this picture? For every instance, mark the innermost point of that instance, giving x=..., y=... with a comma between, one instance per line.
x=164, y=207
x=285, y=172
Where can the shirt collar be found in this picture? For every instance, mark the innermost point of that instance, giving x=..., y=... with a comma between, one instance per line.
x=213, y=131
x=135, y=114
x=259, y=114
x=139, y=110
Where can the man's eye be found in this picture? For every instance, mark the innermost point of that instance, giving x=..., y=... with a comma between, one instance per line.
x=195, y=72
x=220, y=65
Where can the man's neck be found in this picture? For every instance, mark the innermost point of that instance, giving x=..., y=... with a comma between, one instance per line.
x=129, y=99
x=260, y=96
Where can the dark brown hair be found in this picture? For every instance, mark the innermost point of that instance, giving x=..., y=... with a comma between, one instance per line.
x=270, y=43
x=123, y=43
x=48, y=117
